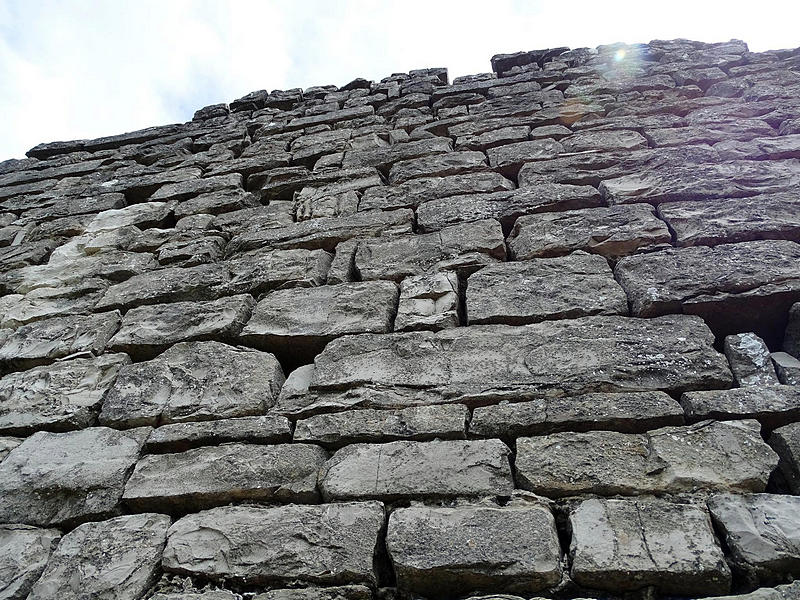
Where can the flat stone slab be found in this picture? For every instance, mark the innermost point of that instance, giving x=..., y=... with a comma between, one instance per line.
x=260, y=271
x=438, y=165
x=711, y=222
x=59, y=397
x=429, y=301
x=721, y=456
x=762, y=532
x=465, y=247
x=320, y=314
x=142, y=215
x=516, y=293
x=612, y=232
x=24, y=552
x=634, y=412
x=178, y=437
x=440, y=552
x=604, y=141
x=418, y=470
x=44, y=303
x=786, y=442
x=215, y=475
x=192, y=382
x=67, y=478
x=42, y=342
x=341, y=592
x=771, y=405
x=149, y=330
x=621, y=545
x=322, y=544
x=591, y=354
x=509, y=159
x=118, y=558
x=363, y=426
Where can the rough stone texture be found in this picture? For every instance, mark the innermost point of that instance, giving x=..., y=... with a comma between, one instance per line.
x=750, y=360
x=360, y=426
x=441, y=165
x=787, y=368
x=149, y=330
x=116, y=559
x=261, y=271
x=791, y=340
x=724, y=456
x=447, y=552
x=621, y=545
x=428, y=301
x=55, y=478
x=191, y=382
x=516, y=293
x=416, y=470
x=761, y=530
x=177, y=437
x=635, y=412
x=591, y=354
x=215, y=475
x=24, y=552
x=325, y=544
x=342, y=592
x=612, y=232
x=59, y=397
x=771, y=404
x=786, y=442
x=42, y=342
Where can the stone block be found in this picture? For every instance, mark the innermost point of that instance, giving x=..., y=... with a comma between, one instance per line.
x=178, y=437
x=771, y=405
x=786, y=442
x=429, y=301
x=24, y=552
x=750, y=360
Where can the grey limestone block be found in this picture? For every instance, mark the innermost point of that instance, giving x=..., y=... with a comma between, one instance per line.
x=786, y=442
x=177, y=437
x=771, y=405
x=341, y=592
x=429, y=301
x=787, y=367
x=750, y=360
x=438, y=165
x=791, y=340
x=24, y=552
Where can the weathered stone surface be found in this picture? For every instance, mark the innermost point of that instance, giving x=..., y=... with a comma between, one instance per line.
x=412, y=193
x=144, y=215
x=429, y=301
x=193, y=382
x=712, y=222
x=7, y=444
x=215, y=203
x=361, y=426
x=505, y=206
x=772, y=404
x=722, y=456
x=750, y=360
x=384, y=156
x=43, y=303
x=440, y=552
x=762, y=532
x=67, y=478
x=324, y=232
x=117, y=559
x=516, y=293
x=621, y=545
x=209, y=595
x=496, y=137
x=215, y=475
x=418, y=470
x=148, y=330
x=42, y=342
x=319, y=315
x=584, y=355
x=58, y=397
x=439, y=165
x=791, y=339
x=781, y=592
x=462, y=247
x=204, y=282
x=24, y=552
x=178, y=437
x=342, y=592
x=509, y=159
x=603, y=141
x=194, y=187
x=260, y=271
x=787, y=367
x=635, y=412
x=786, y=442
x=325, y=544
x=611, y=232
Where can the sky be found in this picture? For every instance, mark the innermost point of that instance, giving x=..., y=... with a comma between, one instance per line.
x=74, y=69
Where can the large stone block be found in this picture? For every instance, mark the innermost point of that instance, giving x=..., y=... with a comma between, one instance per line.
x=418, y=470
x=215, y=475
x=117, y=559
x=621, y=545
x=786, y=442
x=149, y=330
x=323, y=544
x=42, y=342
x=440, y=552
x=612, y=232
x=193, y=381
x=722, y=456
x=67, y=478
x=429, y=301
x=341, y=592
x=634, y=412
x=591, y=354
x=762, y=532
x=178, y=437
x=750, y=360
x=59, y=397
x=771, y=405
x=260, y=271
x=566, y=287
x=24, y=552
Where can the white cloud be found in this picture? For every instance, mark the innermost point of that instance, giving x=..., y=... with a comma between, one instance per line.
x=86, y=68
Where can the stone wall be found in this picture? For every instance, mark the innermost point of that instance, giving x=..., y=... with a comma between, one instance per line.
x=532, y=332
